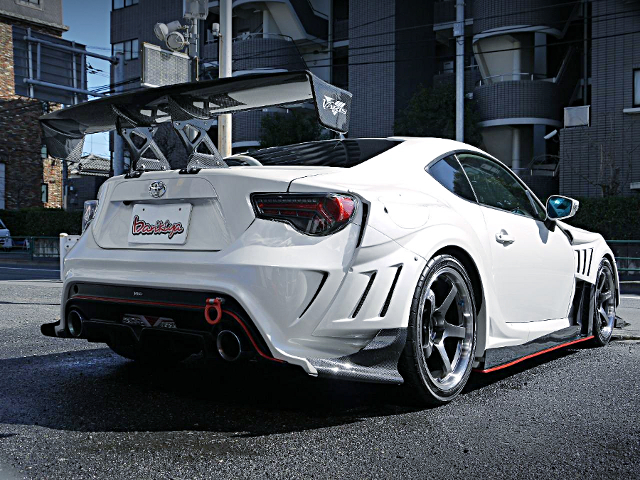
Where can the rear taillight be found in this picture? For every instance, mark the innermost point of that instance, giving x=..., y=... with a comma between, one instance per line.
x=309, y=213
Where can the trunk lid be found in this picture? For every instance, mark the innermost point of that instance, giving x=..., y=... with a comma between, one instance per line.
x=213, y=207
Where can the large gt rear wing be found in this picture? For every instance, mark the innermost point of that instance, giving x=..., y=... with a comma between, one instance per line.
x=194, y=105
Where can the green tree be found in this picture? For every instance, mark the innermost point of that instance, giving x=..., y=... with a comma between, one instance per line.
x=296, y=126
x=431, y=112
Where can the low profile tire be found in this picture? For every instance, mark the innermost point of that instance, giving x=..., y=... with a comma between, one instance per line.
x=604, y=304
x=148, y=356
x=441, y=338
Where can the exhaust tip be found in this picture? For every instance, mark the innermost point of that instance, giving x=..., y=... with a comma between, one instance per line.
x=74, y=323
x=229, y=346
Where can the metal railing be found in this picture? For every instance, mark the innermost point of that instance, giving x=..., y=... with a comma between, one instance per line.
x=522, y=76
x=251, y=35
x=31, y=248
x=627, y=254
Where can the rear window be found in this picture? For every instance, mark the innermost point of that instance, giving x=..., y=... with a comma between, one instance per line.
x=327, y=153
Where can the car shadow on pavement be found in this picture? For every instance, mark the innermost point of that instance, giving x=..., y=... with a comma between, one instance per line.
x=95, y=390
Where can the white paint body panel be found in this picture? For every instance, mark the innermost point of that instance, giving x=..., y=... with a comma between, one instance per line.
x=274, y=272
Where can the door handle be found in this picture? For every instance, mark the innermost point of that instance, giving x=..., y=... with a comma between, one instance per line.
x=504, y=238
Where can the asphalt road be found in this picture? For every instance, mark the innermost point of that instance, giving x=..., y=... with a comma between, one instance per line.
x=70, y=409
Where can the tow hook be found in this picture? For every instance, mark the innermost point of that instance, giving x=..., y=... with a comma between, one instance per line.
x=216, y=305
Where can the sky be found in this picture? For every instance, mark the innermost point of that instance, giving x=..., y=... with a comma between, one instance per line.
x=88, y=22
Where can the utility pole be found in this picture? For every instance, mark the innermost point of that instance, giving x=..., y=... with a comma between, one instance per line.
x=224, y=68
x=118, y=146
x=194, y=49
x=458, y=33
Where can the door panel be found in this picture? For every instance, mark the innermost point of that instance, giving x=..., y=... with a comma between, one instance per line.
x=532, y=266
x=532, y=270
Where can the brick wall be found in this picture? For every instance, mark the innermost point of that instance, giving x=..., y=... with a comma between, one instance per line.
x=20, y=137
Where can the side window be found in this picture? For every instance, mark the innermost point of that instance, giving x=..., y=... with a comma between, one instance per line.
x=449, y=174
x=496, y=187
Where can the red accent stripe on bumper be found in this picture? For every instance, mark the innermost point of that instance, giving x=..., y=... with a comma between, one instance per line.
x=547, y=350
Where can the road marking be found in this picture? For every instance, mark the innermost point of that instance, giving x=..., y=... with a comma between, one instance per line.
x=31, y=269
x=629, y=296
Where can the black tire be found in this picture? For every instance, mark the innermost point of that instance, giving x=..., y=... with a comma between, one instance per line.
x=604, y=311
x=416, y=363
x=149, y=356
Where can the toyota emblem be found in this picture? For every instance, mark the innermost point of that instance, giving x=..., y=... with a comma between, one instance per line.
x=157, y=189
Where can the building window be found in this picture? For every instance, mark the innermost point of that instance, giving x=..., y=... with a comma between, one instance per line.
x=30, y=3
x=636, y=87
x=129, y=48
x=117, y=4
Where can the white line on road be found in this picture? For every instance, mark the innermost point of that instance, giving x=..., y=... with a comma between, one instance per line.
x=31, y=269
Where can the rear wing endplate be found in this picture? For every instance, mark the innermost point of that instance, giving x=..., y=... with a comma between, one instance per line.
x=65, y=129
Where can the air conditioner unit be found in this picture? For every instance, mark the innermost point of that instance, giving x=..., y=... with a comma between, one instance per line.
x=576, y=116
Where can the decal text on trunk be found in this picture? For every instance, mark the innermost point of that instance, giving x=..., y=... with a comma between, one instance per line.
x=140, y=227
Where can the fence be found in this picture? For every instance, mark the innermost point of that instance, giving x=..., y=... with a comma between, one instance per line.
x=32, y=248
x=627, y=254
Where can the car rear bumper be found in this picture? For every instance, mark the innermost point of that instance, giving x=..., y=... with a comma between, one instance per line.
x=308, y=300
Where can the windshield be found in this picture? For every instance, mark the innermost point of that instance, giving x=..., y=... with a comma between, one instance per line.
x=2, y=225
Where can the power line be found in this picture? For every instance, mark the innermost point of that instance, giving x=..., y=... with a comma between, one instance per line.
x=438, y=57
x=391, y=32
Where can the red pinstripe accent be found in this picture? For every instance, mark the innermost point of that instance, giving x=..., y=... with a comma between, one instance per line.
x=499, y=367
x=181, y=305
x=253, y=342
x=137, y=302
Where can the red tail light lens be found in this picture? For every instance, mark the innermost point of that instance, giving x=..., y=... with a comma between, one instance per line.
x=309, y=213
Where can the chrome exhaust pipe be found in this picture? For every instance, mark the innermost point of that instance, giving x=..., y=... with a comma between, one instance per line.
x=74, y=323
x=229, y=346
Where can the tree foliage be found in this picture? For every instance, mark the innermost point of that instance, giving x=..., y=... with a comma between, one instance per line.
x=431, y=112
x=296, y=126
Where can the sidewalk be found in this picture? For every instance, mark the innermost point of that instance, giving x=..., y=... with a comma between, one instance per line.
x=628, y=321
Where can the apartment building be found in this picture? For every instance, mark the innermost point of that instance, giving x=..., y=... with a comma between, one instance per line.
x=556, y=83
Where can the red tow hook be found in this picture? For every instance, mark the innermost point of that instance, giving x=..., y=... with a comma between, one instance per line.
x=213, y=304
x=216, y=304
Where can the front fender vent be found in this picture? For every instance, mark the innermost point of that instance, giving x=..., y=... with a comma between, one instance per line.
x=583, y=261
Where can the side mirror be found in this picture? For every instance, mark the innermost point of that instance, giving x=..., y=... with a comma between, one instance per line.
x=559, y=207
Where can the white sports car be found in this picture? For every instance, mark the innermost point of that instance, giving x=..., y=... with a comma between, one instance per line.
x=398, y=260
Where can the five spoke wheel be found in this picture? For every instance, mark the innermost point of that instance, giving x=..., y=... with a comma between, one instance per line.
x=442, y=331
x=604, y=308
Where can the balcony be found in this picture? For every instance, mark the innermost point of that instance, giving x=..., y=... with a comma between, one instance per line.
x=537, y=101
x=253, y=51
x=491, y=14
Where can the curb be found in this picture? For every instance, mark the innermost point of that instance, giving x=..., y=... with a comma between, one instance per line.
x=625, y=336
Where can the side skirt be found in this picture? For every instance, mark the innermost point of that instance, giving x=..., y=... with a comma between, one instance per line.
x=503, y=357
x=581, y=330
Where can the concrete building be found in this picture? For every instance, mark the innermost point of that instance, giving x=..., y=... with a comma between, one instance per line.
x=24, y=166
x=526, y=61
x=600, y=155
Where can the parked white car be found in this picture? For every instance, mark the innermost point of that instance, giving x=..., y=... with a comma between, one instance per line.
x=398, y=260
x=5, y=237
